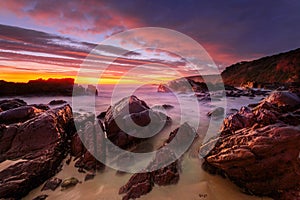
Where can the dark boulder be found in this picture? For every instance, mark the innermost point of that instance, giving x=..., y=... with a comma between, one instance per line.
x=117, y=118
x=57, y=102
x=38, y=145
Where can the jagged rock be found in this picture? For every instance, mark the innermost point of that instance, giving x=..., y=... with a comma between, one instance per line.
x=89, y=147
x=38, y=145
x=259, y=149
x=52, y=184
x=69, y=182
x=159, y=173
x=118, y=115
x=19, y=114
x=57, y=102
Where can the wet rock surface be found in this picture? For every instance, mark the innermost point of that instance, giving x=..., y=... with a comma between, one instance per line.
x=131, y=109
x=159, y=173
x=258, y=148
x=37, y=145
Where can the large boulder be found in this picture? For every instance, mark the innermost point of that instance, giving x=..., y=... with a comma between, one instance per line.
x=259, y=149
x=118, y=116
x=38, y=147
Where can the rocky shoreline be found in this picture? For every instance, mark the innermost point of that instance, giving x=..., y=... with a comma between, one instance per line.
x=257, y=148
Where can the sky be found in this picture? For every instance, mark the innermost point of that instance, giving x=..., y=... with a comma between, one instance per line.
x=43, y=39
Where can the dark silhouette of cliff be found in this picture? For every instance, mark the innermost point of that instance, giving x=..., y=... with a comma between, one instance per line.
x=50, y=87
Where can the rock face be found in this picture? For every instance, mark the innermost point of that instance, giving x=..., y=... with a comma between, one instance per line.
x=19, y=114
x=142, y=183
x=38, y=145
x=259, y=149
x=281, y=68
x=131, y=108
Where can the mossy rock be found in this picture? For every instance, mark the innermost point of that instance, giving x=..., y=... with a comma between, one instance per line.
x=69, y=182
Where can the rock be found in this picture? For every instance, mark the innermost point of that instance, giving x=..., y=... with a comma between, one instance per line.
x=138, y=185
x=281, y=98
x=91, y=145
x=142, y=183
x=52, y=184
x=57, y=102
x=219, y=111
x=140, y=114
x=69, y=182
x=163, y=88
x=167, y=106
x=40, y=197
x=259, y=149
x=38, y=145
x=101, y=115
x=13, y=103
x=19, y=114
x=40, y=106
x=89, y=177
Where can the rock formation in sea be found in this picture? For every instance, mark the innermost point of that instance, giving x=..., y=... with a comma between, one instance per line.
x=50, y=87
x=142, y=183
x=117, y=118
x=258, y=148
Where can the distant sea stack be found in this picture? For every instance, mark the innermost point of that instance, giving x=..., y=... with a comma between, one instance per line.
x=50, y=87
x=280, y=69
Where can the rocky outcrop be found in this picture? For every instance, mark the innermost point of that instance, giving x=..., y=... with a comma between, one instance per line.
x=117, y=118
x=159, y=174
x=270, y=71
x=38, y=147
x=259, y=149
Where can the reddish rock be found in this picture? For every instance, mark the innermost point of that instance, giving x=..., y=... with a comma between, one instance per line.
x=118, y=115
x=142, y=183
x=259, y=149
x=41, y=144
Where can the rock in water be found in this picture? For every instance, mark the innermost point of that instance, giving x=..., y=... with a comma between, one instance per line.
x=70, y=182
x=57, y=102
x=258, y=149
x=39, y=144
x=142, y=183
x=118, y=116
x=216, y=112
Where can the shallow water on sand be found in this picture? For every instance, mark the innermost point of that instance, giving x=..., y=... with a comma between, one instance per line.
x=194, y=183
